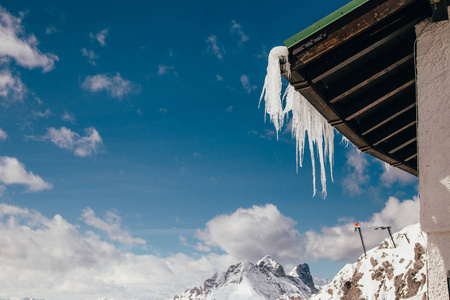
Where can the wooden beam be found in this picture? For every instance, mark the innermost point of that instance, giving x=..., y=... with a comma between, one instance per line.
x=386, y=116
x=394, y=132
x=403, y=145
x=439, y=10
x=355, y=27
x=364, y=77
x=346, y=58
x=400, y=141
x=411, y=157
x=315, y=95
x=406, y=151
x=386, y=96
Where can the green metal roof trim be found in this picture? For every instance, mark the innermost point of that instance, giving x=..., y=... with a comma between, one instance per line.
x=304, y=34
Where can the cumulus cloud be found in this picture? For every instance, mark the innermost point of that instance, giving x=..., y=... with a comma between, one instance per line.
x=80, y=145
x=38, y=114
x=111, y=225
x=68, y=117
x=51, y=30
x=342, y=243
x=213, y=48
x=3, y=134
x=12, y=88
x=252, y=233
x=163, y=70
x=90, y=55
x=235, y=29
x=100, y=37
x=115, y=86
x=15, y=44
x=394, y=175
x=219, y=78
x=13, y=172
x=246, y=84
x=356, y=172
x=53, y=258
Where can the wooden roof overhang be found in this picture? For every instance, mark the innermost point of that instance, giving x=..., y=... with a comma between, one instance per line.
x=358, y=72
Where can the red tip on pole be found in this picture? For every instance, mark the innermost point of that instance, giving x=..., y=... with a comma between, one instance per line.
x=356, y=224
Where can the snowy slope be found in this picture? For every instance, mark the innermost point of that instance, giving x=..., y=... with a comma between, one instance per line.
x=265, y=280
x=386, y=272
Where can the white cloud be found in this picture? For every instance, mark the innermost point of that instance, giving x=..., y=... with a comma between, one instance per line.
x=54, y=259
x=13, y=172
x=100, y=37
x=341, y=242
x=11, y=87
x=163, y=69
x=395, y=175
x=90, y=55
x=229, y=109
x=67, y=117
x=219, y=78
x=51, y=30
x=47, y=113
x=252, y=233
x=111, y=225
x=80, y=145
x=246, y=84
x=213, y=48
x=235, y=28
x=115, y=86
x=263, y=54
x=64, y=262
x=163, y=110
x=356, y=172
x=3, y=134
x=23, y=49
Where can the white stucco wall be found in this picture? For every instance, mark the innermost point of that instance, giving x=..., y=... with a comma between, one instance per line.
x=433, y=136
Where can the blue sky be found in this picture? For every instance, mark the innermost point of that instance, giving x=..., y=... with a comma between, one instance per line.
x=138, y=122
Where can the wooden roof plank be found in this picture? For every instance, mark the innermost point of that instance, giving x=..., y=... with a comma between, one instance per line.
x=353, y=28
x=379, y=100
x=403, y=145
x=394, y=132
x=361, y=49
x=378, y=123
x=364, y=80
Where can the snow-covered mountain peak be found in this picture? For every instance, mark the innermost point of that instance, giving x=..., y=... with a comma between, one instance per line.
x=302, y=272
x=387, y=272
x=271, y=265
x=264, y=280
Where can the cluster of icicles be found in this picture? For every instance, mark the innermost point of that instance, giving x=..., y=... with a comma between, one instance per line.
x=306, y=120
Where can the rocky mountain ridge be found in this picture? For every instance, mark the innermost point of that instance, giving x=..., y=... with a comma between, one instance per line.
x=387, y=272
x=264, y=280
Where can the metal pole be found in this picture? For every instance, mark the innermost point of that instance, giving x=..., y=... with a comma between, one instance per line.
x=362, y=241
x=389, y=230
x=404, y=234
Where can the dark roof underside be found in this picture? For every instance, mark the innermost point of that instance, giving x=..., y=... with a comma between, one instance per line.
x=358, y=72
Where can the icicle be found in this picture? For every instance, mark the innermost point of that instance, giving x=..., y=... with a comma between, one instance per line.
x=345, y=141
x=306, y=120
x=272, y=87
x=387, y=167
